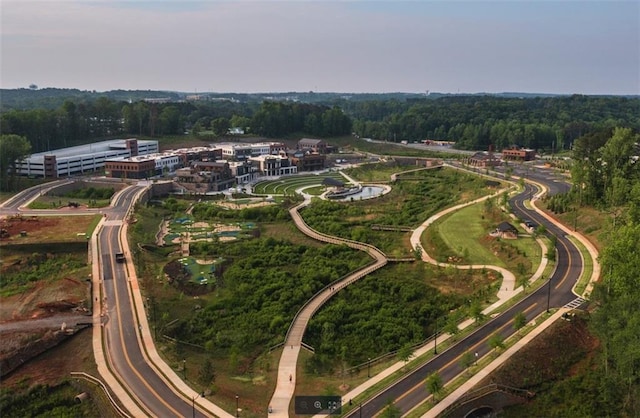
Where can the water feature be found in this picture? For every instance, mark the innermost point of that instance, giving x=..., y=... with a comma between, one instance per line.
x=367, y=192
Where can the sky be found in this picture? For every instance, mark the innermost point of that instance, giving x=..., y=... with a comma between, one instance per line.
x=474, y=46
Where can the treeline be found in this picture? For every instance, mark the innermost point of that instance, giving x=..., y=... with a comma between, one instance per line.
x=81, y=122
x=475, y=122
x=606, y=175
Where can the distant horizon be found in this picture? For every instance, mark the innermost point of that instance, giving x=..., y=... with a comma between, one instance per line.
x=560, y=47
x=320, y=92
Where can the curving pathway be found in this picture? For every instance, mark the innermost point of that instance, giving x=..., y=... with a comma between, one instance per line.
x=286, y=381
x=508, y=287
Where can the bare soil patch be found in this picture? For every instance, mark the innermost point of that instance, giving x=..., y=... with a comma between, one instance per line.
x=46, y=299
x=40, y=229
x=56, y=364
x=556, y=353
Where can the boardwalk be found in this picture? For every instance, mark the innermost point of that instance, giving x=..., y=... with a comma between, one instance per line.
x=286, y=382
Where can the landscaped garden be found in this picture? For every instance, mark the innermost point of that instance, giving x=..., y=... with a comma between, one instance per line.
x=224, y=321
x=409, y=203
x=289, y=184
x=226, y=325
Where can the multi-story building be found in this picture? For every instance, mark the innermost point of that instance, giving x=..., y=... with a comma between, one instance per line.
x=307, y=161
x=274, y=165
x=144, y=166
x=243, y=171
x=521, y=154
x=315, y=145
x=483, y=159
x=82, y=158
x=241, y=151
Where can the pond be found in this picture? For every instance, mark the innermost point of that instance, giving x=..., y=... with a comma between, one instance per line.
x=367, y=192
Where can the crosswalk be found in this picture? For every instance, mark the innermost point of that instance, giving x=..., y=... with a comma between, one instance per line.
x=575, y=303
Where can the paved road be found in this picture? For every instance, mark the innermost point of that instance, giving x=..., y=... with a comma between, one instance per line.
x=411, y=391
x=152, y=391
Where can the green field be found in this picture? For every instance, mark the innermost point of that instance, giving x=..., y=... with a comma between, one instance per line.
x=462, y=232
x=466, y=233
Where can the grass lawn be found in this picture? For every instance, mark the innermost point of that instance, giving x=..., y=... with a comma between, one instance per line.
x=55, y=202
x=465, y=232
x=462, y=231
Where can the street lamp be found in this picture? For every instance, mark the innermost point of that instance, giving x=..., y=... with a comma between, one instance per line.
x=184, y=368
x=435, y=339
x=193, y=403
x=369, y=367
x=237, y=407
x=476, y=358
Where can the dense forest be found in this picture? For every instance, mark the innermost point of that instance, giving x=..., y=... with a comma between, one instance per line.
x=473, y=122
x=607, y=175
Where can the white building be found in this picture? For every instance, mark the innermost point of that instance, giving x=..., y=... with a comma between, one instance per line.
x=274, y=165
x=241, y=151
x=82, y=158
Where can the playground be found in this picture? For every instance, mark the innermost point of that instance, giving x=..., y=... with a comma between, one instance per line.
x=200, y=271
x=185, y=230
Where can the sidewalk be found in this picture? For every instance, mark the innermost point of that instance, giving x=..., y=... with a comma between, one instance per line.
x=476, y=378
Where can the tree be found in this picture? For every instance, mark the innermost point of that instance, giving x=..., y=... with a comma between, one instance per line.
x=519, y=321
x=207, y=374
x=239, y=122
x=12, y=148
x=391, y=411
x=220, y=126
x=405, y=353
x=496, y=341
x=524, y=282
x=434, y=385
x=417, y=252
x=475, y=310
x=467, y=360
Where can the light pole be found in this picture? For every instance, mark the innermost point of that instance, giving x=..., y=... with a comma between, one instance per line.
x=369, y=367
x=476, y=358
x=435, y=339
x=184, y=368
x=193, y=403
x=237, y=407
x=548, y=294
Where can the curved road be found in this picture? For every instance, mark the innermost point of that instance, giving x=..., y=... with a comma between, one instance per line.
x=147, y=386
x=411, y=391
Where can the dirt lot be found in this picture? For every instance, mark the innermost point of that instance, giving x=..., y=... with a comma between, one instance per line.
x=39, y=229
x=62, y=300
x=74, y=354
x=46, y=300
